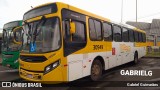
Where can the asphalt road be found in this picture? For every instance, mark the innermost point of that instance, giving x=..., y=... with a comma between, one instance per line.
x=111, y=79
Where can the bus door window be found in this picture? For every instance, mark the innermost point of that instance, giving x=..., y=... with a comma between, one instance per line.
x=79, y=35
x=74, y=41
x=67, y=35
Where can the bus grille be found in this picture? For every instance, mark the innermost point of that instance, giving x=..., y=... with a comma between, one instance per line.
x=33, y=58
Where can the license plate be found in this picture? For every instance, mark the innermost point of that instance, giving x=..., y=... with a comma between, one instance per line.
x=29, y=75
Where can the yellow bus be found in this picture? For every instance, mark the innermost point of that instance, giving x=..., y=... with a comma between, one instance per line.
x=65, y=43
x=158, y=41
x=150, y=41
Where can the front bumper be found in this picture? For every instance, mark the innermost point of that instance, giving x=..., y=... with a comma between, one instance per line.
x=53, y=77
x=12, y=64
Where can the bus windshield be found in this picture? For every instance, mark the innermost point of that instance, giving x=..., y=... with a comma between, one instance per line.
x=8, y=43
x=42, y=35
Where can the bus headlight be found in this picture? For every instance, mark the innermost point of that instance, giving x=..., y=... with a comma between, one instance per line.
x=51, y=66
x=16, y=61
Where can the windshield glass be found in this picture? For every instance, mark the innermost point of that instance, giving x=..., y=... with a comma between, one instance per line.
x=42, y=36
x=8, y=43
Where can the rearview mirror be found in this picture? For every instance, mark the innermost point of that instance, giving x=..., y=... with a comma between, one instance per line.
x=72, y=28
x=18, y=35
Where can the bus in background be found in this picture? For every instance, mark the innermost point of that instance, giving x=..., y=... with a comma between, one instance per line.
x=150, y=43
x=158, y=41
x=10, y=49
x=65, y=43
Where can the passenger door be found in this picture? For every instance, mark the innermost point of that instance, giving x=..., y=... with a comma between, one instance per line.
x=74, y=41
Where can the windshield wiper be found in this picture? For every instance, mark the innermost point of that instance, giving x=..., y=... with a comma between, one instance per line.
x=28, y=34
x=29, y=28
x=38, y=28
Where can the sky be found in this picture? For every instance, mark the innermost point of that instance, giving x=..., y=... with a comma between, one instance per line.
x=12, y=10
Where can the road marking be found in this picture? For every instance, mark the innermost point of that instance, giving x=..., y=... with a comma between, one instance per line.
x=150, y=60
x=152, y=68
x=155, y=79
x=5, y=71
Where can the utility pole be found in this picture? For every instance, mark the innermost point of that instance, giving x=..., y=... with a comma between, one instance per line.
x=122, y=11
x=136, y=10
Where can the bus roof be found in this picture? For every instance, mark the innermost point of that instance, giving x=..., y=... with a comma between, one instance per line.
x=89, y=14
x=132, y=27
x=11, y=24
x=72, y=8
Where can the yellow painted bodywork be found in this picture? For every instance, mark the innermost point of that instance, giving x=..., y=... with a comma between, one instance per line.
x=57, y=75
x=140, y=44
x=158, y=43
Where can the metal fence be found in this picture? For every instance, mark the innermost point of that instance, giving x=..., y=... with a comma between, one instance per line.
x=153, y=49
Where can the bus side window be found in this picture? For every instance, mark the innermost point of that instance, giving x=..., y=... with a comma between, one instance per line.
x=136, y=36
x=93, y=35
x=98, y=27
x=131, y=36
x=117, y=33
x=125, y=35
x=107, y=31
x=140, y=37
x=143, y=37
x=95, y=28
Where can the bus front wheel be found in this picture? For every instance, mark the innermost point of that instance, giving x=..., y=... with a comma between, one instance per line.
x=96, y=70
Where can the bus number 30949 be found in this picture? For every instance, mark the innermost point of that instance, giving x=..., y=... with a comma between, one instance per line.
x=97, y=47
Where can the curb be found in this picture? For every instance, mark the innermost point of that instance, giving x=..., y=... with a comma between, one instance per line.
x=151, y=57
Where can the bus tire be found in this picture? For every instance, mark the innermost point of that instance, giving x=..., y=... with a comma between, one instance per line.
x=135, y=58
x=96, y=70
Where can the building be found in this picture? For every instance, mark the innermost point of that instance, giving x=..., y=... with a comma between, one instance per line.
x=152, y=31
x=0, y=39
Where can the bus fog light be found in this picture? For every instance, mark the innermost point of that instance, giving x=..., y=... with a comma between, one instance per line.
x=51, y=66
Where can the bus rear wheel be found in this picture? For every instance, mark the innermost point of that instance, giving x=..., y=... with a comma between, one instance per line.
x=135, y=58
x=96, y=70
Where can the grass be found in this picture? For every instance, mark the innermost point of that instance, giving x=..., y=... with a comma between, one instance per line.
x=153, y=54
